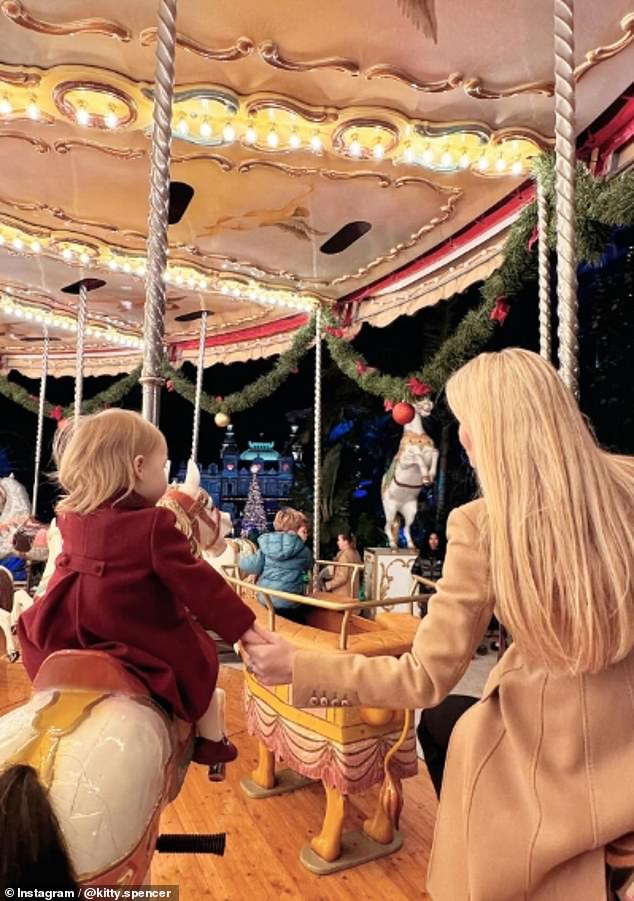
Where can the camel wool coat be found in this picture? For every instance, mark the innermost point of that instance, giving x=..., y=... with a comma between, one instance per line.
x=540, y=772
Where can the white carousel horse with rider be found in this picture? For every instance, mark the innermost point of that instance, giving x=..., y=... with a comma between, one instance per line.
x=108, y=760
x=412, y=469
x=15, y=510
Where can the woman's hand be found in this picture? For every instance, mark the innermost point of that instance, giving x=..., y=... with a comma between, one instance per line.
x=269, y=658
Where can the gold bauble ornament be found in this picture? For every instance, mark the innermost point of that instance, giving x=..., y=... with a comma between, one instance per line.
x=222, y=420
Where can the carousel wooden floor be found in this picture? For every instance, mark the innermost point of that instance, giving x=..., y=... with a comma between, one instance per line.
x=264, y=838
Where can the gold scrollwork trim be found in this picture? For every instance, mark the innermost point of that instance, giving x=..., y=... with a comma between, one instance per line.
x=15, y=11
x=225, y=164
x=599, y=54
x=270, y=53
x=243, y=46
x=310, y=114
x=40, y=145
x=20, y=79
x=118, y=152
x=439, y=86
x=349, y=125
x=60, y=98
x=56, y=213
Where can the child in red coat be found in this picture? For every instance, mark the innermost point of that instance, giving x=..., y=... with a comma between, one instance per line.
x=127, y=582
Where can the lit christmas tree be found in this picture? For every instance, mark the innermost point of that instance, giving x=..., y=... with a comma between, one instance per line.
x=254, y=516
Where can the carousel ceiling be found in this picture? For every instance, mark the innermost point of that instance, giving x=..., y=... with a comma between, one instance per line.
x=314, y=153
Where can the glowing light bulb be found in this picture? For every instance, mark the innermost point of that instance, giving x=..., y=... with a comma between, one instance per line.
x=273, y=139
x=251, y=135
x=84, y=258
x=316, y=143
x=127, y=268
x=295, y=141
x=113, y=265
x=465, y=161
x=5, y=106
x=378, y=151
x=33, y=110
x=67, y=254
x=1, y=240
x=191, y=283
x=82, y=116
x=355, y=148
x=408, y=154
x=205, y=129
x=229, y=133
x=111, y=119
x=36, y=246
x=446, y=159
x=203, y=284
x=483, y=164
x=428, y=156
x=18, y=243
x=517, y=168
x=500, y=164
x=183, y=126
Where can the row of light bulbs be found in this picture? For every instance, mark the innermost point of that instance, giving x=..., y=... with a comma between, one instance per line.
x=10, y=307
x=175, y=276
x=354, y=148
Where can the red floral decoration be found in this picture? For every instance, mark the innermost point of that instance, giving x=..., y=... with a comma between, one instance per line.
x=418, y=389
x=335, y=332
x=500, y=311
x=361, y=367
x=388, y=405
x=57, y=413
x=534, y=238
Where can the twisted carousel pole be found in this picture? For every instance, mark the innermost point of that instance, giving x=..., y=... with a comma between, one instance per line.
x=157, y=242
x=565, y=162
x=317, y=439
x=40, y=421
x=79, y=355
x=199, y=385
x=545, y=342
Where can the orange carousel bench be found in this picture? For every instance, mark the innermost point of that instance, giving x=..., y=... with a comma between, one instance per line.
x=349, y=749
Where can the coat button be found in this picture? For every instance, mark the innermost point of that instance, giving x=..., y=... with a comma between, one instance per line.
x=314, y=701
x=323, y=701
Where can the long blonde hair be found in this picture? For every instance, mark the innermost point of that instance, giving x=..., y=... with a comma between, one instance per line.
x=96, y=459
x=559, y=513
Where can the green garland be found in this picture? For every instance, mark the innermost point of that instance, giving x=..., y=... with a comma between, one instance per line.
x=263, y=387
x=600, y=206
x=106, y=398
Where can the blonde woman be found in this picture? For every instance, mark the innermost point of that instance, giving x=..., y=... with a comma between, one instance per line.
x=540, y=771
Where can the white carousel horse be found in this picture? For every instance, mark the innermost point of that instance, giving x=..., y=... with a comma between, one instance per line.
x=108, y=759
x=412, y=469
x=15, y=509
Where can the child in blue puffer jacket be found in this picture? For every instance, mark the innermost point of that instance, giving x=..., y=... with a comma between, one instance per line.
x=283, y=561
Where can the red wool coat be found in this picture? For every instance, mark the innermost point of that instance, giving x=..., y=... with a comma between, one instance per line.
x=122, y=585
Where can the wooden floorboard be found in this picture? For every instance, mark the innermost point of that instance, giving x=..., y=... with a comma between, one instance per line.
x=264, y=838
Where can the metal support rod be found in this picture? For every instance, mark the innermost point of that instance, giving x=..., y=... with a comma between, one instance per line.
x=545, y=343
x=157, y=242
x=317, y=439
x=565, y=163
x=40, y=421
x=199, y=385
x=79, y=355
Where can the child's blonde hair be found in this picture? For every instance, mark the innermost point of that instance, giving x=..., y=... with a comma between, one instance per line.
x=559, y=513
x=289, y=520
x=95, y=459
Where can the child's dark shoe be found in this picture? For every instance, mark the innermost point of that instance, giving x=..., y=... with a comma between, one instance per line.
x=210, y=752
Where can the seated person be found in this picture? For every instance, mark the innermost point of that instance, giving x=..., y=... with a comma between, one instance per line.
x=282, y=562
x=339, y=579
x=429, y=561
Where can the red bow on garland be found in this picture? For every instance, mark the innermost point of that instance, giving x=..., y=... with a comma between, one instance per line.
x=500, y=311
x=388, y=405
x=418, y=389
x=534, y=238
x=335, y=332
x=57, y=413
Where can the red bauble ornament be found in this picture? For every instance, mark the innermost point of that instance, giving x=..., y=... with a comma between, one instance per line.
x=403, y=413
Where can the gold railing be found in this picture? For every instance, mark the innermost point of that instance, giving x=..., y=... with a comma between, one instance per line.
x=346, y=607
